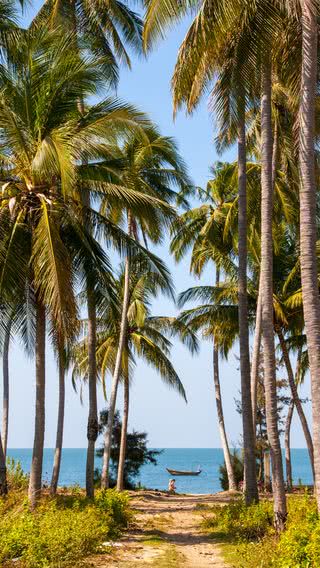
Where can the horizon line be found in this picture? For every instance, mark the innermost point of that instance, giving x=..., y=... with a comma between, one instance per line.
x=152, y=447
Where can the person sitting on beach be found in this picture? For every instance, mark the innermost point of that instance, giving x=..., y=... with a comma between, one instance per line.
x=172, y=485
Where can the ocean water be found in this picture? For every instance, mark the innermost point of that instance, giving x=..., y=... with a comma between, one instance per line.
x=156, y=477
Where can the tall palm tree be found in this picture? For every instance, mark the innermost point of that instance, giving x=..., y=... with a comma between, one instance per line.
x=3, y=471
x=105, y=30
x=288, y=424
x=193, y=228
x=144, y=338
x=10, y=35
x=247, y=420
x=154, y=168
x=60, y=421
x=252, y=31
x=295, y=397
x=267, y=299
x=5, y=395
x=287, y=448
x=216, y=46
x=44, y=245
x=308, y=227
x=213, y=226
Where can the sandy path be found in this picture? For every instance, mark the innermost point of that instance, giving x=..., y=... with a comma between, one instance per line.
x=166, y=534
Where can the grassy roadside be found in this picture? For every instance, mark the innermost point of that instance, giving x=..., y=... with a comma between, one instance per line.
x=63, y=531
x=247, y=538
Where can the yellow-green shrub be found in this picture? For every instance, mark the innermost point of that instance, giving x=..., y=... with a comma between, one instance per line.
x=299, y=545
x=255, y=543
x=62, y=530
x=242, y=522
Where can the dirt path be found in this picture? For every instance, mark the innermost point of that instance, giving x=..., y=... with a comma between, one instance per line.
x=166, y=534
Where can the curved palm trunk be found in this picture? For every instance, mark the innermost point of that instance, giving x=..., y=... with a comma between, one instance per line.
x=280, y=507
x=251, y=490
x=287, y=445
x=116, y=377
x=60, y=425
x=255, y=363
x=308, y=224
x=296, y=399
x=5, y=406
x=222, y=429
x=92, y=426
x=37, y=454
x=124, y=430
x=3, y=471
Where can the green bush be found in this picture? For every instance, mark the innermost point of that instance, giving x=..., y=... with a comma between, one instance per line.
x=16, y=477
x=237, y=464
x=299, y=545
x=255, y=544
x=241, y=522
x=62, y=530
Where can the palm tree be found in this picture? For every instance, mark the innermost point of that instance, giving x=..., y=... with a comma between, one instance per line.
x=5, y=372
x=220, y=322
x=295, y=397
x=9, y=38
x=144, y=338
x=267, y=299
x=44, y=244
x=213, y=227
x=247, y=420
x=308, y=226
x=288, y=322
x=60, y=421
x=250, y=33
x=105, y=30
x=287, y=445
x=297, y=343
x=195, y=227
x=215, y=46
x=154, y=168
x=3, y=471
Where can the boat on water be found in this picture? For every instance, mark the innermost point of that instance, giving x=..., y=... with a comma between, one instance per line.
x=179, y=472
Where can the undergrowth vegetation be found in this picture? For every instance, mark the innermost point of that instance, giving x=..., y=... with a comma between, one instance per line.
x=63, y=530
x=251, y=541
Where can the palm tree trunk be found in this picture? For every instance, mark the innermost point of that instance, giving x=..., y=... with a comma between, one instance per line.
x=267, y=470
x=5, y=407
x=222, y=429
x=258, y=328
x=124, y=430
x=308, y=223
x=116, y=377
x=251, y=490
x=295, y=398
x=3, y=471
x=92, y=427
x=60, y=425
x=280, y=507
x=287, y=445
x=256, y=363
x=37, y=455
x=275, y=153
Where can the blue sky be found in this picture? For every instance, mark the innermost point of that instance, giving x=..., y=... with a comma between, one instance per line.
x=154, y=409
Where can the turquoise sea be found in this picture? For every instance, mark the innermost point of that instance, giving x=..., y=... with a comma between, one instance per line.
x=156, y=477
